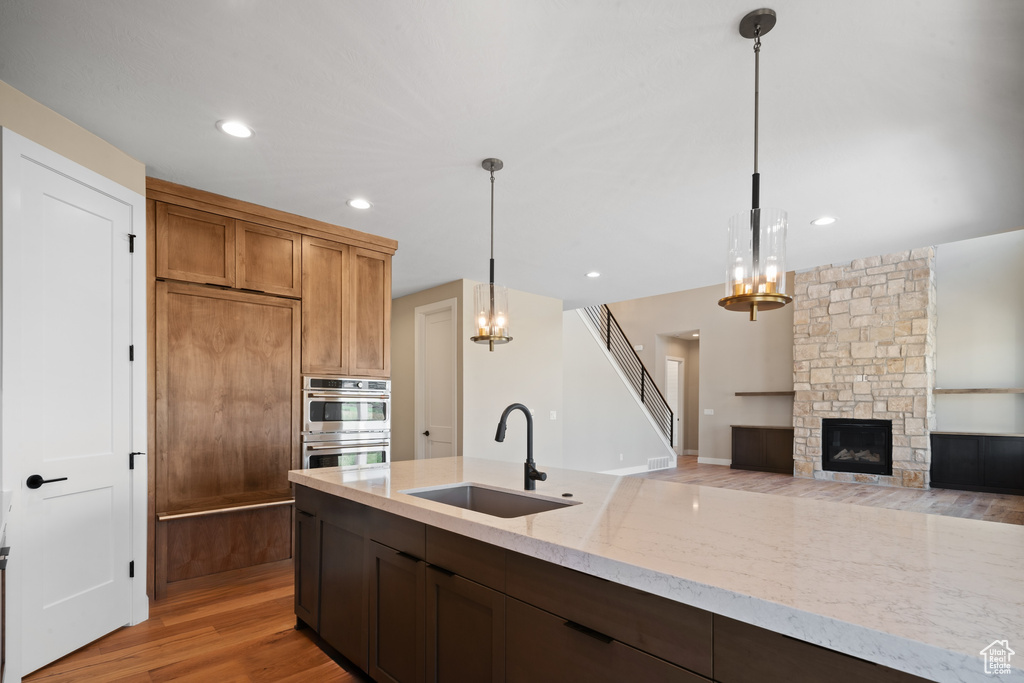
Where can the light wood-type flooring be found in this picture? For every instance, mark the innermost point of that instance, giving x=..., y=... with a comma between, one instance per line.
x=233, y=627
x=992, y=507
x=239, y=626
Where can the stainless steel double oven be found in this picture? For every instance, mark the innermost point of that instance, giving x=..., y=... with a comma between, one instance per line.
x=346, y=423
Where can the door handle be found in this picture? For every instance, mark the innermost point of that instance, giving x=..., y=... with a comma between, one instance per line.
x=426, y=433
x=36, y=480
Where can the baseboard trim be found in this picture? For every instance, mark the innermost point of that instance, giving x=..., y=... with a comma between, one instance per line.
x=714, y=461
x=690, y=451
x=623, y=471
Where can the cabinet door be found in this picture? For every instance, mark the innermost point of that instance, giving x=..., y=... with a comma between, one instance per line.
x=397, y=594
x=544, y=647
x=194, y=246
x=1004, y=462
x=343, y=586
x=778, y=450
x=307, y=568
x=465, y=630
x=325, y=284
x=369, y=353
x=227, y=397
x=956, y=460
x=747, y=448
x=268, y=259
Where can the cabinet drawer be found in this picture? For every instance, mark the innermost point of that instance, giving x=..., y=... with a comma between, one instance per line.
x=468, y=557
x=396, y=532
x=544, y=647
x=664, y=628
x=748, y=654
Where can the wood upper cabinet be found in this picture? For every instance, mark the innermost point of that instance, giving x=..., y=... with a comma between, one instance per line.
x=194, y=246
x=325, y=314
x=369, y=354
x=268, y=259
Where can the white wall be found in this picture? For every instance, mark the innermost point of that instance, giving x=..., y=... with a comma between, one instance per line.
x=735, y=355
x=980, y=336
x=604, y=428
x=527, y=370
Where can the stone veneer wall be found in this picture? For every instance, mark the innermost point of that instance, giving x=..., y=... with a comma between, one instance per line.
x=864, y=347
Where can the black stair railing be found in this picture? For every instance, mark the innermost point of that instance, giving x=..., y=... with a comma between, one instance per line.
x=632, y=367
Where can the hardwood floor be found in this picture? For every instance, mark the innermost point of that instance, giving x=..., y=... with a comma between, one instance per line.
x=992, y=507
x=231, y=628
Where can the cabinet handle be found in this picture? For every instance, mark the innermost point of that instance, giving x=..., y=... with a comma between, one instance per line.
x=596, y=635
x=442, y=570
x=408, y=556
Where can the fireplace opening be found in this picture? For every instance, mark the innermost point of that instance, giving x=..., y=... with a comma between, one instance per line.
x=862, y=446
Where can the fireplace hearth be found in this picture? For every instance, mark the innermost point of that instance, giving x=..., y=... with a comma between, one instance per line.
x=860, y=446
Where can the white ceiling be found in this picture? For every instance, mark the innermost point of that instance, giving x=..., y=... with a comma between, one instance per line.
x=625, y=127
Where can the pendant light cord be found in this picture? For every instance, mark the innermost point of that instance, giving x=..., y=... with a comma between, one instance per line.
x=757, y=90
x=492, y=227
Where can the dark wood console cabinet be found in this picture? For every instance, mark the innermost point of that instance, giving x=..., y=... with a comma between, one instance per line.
x=763, y=449
x=978, y=462
x=410, y=602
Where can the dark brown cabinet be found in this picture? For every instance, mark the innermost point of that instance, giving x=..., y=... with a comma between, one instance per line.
x=465, y=630
x=435, y=606
x=307, y=568
x=748, y=654
x=545, y=647
x=763, y=449
x=978, y=462
x=397, y=599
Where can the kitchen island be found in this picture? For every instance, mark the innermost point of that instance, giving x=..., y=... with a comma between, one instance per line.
x=921, y=594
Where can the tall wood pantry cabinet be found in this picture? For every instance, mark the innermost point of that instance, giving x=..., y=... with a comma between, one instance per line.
x=243, y=301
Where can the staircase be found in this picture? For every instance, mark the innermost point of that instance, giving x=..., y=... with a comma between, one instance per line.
x=607, y=329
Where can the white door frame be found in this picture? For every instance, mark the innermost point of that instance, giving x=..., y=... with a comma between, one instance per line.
x=680, y=400
x=420, y=314
x=13, y=148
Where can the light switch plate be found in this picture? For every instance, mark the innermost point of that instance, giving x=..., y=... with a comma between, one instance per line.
x=709, y=411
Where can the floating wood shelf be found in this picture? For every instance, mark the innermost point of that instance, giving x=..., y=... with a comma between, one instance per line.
x=978, y=391
x=766, y=393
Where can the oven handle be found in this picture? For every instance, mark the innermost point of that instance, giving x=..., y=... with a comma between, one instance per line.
x=337, y=446
x=345, y=396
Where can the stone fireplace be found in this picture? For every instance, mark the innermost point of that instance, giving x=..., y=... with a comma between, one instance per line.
x=864, y=349
x=859, y=446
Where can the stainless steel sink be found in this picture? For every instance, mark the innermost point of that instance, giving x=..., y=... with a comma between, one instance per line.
x=490, y=501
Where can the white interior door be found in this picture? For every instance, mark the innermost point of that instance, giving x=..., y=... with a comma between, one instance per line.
x=436, y=404
x=674, y=383
x=67, y=403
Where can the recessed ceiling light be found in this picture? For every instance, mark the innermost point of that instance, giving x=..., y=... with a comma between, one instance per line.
x=235, y=128
x=359, y=204
x=824, y=220
x=696, y=334
x=593, y=273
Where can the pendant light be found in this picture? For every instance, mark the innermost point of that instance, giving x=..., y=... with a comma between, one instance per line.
x=490, y=302
x=756, y=269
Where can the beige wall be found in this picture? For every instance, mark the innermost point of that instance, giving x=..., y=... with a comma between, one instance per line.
x=29, y=118
x=403, y=366
x=980, y=336
x=527, y=370
x=735, y=355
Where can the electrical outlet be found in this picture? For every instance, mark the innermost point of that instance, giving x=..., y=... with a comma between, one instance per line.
x=620, y=457
x=709, y=411
x=554, y=415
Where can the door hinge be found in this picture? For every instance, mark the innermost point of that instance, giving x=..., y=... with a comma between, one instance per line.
x=131, y=244
x=131, y=459
x=131, y=569
x=131, y=352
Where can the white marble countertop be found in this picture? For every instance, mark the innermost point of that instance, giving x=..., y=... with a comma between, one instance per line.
x=919, y=593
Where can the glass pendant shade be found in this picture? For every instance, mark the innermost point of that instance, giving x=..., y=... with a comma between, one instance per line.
x=755, y=277
x=490, y=317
